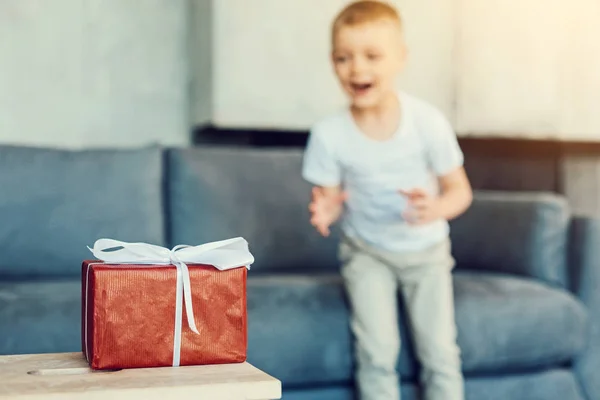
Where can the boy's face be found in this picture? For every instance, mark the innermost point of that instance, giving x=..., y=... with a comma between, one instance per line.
x=367, y=60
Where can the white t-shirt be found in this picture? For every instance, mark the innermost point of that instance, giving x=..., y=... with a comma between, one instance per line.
x=372, y=172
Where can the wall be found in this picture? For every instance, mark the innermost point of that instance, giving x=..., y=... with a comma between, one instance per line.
x=89, y=73
x=502, y=68
x=529, y=68
x=115, y=72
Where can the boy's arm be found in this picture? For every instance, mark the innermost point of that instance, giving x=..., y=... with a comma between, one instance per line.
x=446, y=161
x=322, y=169
x=456, y=194
x=326, y=207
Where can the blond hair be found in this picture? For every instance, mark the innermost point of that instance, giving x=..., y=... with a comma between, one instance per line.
x=363, y=11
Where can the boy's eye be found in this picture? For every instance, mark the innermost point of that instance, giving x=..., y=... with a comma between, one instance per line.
x=341, y=59
x=373, y=56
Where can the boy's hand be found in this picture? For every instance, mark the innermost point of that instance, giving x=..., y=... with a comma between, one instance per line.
x=423, y=208
x=456, y=196
x=325, y=208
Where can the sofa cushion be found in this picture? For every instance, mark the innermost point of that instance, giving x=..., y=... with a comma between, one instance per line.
x=40, y=316
x=218, y=193
x=54, y=203
x=555, y=384
x=516, y=233
x=298, y=327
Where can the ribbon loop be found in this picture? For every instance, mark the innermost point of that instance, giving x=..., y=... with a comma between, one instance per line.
x=223, y=255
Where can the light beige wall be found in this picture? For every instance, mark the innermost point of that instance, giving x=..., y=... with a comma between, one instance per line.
x=494, y=67
x=529, y=68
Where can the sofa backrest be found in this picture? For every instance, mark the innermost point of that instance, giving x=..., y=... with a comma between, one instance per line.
x=217, y=193
x=54, y=203
x=517, y=233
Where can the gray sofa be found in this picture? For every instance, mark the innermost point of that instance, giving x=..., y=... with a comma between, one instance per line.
x=527, y=282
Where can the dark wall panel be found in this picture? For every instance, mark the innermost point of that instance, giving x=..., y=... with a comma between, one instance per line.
x=492, y=164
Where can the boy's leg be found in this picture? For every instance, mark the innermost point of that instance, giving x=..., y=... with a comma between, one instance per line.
x=428, y=294
x=372, y=291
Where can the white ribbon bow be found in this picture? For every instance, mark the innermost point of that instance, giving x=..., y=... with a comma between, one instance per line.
x=223, y=255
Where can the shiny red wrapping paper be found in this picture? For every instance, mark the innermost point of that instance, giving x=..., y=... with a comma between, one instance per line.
x=128, y=316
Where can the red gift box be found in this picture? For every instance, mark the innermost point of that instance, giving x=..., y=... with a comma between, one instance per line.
x=129, y=315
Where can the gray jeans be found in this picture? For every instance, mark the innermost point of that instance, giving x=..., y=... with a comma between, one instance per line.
x=372, y=278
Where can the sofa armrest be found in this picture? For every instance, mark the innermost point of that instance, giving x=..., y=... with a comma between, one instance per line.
x=514, y=233
x=584, y=280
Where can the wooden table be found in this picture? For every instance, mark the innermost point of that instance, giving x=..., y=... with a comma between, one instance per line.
x=66, y=376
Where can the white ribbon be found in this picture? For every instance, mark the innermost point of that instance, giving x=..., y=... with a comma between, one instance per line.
x=223, y=255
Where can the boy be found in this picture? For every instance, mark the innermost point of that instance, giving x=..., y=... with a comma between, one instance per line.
x=391, y=166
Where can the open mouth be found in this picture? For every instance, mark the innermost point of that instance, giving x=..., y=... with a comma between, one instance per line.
x=361, y=88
